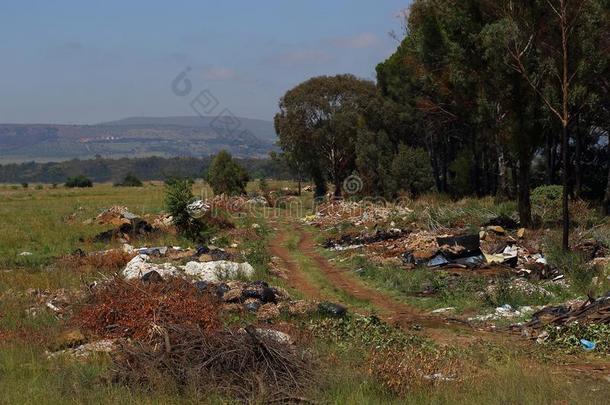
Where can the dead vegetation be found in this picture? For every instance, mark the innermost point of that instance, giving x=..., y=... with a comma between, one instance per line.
x=110, y=260
x=120, y=308
x=403, y=370
x=242, y=364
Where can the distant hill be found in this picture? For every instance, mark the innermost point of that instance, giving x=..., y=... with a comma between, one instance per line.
x=136, y=137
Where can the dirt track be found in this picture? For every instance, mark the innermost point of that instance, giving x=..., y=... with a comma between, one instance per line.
x=390, y=309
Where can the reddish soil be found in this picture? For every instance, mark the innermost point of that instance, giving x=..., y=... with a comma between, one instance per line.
x=296, y=277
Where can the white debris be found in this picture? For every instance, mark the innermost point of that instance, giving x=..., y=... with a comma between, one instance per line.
x=218, y=270
x=276, y=335
x=441, y=310
x=260, y=200
x=86, y=350
x=198, y=208
x=212, y=271
x=25, y=254
x=139, y=266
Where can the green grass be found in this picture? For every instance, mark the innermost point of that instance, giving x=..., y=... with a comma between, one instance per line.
x=35, y=220
x=49, y=223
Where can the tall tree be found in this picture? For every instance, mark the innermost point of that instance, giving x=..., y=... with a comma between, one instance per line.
x=319, y=121
x=552, y=45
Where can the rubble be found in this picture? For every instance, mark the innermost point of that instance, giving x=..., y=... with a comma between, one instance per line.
x=140, y=265
x=504, y=312
x=369, y=215
x=218, y=270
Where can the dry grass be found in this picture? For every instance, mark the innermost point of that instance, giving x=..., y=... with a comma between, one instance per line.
x=111, y=260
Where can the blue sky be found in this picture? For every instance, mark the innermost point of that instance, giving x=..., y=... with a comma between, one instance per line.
x=87, y=62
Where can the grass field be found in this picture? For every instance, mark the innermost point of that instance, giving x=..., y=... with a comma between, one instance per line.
x=49, y=223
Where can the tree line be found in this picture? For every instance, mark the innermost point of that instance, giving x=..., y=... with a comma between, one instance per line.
x=481, y=97
x=115, y=170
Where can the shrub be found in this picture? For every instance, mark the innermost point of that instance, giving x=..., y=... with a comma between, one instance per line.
x=226, y=176
x=263, y=185
x=25, y=185
x=178, y=195
x=130, y=180
x=546, y=203
x=79, y=181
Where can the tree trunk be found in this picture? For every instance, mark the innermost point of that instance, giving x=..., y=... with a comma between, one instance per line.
x=338, y=189
x=606, y=206
x=524, y=203
x=502, y=174
x=565, y=199
x=578, y=162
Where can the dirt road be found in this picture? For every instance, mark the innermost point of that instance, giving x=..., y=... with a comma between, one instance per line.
x=390, y=309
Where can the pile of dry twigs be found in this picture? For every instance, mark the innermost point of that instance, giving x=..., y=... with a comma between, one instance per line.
x=239, y=364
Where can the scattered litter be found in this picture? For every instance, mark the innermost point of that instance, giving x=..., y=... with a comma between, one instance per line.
x=588, y=345
x=443, y=310
x=331, y=309
x=198, y=208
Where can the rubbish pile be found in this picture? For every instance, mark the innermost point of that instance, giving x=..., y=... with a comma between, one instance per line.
x=369, y=215
x=116, y=215
x=348, y=241
x=254, y=297
x=493, y=247
x=590, y=312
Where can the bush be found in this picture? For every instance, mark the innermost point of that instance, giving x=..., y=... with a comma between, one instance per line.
x=130, y=180
x=25, y=185
x=79, y=181
x=178, y=195
x=226, y=176
x=263, y=186
x=546, y=203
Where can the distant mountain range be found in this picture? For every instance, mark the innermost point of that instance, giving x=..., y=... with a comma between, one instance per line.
x=137, y=137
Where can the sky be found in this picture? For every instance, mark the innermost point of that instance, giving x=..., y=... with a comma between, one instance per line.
x=85, y=62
